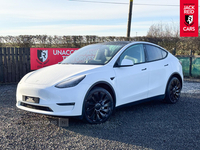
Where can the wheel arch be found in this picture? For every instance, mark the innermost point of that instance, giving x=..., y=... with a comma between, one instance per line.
x=105, y=85
x=177, y=75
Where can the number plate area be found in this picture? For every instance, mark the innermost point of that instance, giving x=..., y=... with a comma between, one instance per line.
x=31, y=99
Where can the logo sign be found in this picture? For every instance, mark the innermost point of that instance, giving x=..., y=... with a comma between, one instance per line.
x=189, y=18
x=42, y=57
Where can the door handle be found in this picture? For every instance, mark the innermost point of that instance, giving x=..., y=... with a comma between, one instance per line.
x=166, y=65
x=144, y=69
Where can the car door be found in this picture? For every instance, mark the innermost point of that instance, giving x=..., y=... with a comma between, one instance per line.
x=132, y=81
x=159, y=67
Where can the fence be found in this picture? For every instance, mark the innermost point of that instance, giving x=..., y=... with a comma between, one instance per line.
x=191, y=65
x=14, y=63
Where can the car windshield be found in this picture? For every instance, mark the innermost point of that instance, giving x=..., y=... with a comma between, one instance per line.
x=96, y=54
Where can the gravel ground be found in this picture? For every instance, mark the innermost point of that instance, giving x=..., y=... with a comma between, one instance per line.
x=152, y=125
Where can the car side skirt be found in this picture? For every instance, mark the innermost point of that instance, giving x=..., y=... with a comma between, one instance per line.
x=159, y=97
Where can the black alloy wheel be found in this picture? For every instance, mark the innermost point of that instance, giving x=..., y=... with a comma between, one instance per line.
x=173, y=91
x=98, y=106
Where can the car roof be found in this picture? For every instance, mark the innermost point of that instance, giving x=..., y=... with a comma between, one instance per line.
x=128, y=43
x=116, y=43
x=125, y=42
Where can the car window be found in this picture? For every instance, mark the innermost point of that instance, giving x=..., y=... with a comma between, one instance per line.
x=96, y=54
x=154, y=53
x=164, y=53
x=134, y=53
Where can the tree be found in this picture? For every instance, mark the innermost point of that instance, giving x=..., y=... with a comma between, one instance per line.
x=163, y=30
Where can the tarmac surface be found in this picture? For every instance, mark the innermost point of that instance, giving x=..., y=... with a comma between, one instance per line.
x=153, y=125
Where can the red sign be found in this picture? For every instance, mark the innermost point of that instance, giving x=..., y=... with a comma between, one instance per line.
x=189, y=18
x=42, y=57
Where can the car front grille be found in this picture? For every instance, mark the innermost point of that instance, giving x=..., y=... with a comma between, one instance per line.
x=36, y=107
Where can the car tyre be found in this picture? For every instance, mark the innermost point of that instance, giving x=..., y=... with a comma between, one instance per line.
x=173, y=91
x=98, y=106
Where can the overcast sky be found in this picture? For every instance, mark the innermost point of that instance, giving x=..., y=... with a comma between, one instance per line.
x=68, y=17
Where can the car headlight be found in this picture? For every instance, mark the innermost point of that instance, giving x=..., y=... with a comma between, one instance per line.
x=70, y=82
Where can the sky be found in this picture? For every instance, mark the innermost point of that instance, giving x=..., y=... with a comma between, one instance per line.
x=72, y=17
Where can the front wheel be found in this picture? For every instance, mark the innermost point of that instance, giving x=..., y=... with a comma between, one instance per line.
x=98, y=106
x=173, y=91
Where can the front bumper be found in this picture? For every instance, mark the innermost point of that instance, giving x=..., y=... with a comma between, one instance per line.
x=53, y=101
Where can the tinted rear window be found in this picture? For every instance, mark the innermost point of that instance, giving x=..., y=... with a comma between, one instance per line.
x=154, y=53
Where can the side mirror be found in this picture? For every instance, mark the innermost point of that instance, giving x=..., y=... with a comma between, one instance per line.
x=126, y=63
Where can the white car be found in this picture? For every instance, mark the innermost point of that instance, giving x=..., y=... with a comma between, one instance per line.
x=97, y=78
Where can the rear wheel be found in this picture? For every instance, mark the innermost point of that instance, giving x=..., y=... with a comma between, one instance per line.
x=173, y=91
x=98, y=106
